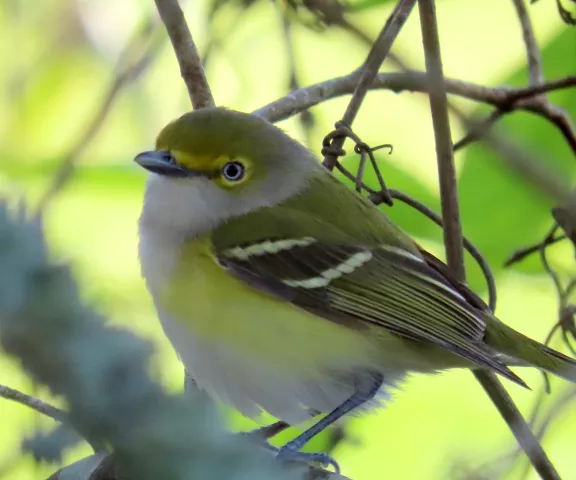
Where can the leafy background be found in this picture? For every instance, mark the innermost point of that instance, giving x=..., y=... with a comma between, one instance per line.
x=60, y=57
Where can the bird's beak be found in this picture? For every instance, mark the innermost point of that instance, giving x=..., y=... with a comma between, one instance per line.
x=162, y=163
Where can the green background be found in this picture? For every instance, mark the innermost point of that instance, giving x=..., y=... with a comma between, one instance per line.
x=59, y=57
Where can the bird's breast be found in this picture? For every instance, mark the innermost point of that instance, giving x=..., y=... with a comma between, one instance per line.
x=219, y=308
x=247, y=348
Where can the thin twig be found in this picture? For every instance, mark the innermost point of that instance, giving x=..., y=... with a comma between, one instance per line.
x=369, y=70
x=186, y=53
x=540, y=106
x=537, y=104
x=349, y=27
x=544, y=259
x=479, y=130
x=558, y=117
x=133, y=61
x=453, y=234
x=535, y=71
x=333, y=14
x=522, y=253
x=34, y=403
x=543, y=108
x=441, y=123
x=535, y=90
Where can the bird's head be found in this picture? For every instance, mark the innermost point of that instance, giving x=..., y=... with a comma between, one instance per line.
x=213, y=164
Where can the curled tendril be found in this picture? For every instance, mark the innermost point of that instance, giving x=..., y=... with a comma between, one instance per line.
x=564, y=13
x=365, y=151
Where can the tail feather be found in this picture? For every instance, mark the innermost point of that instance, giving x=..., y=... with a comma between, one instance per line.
x=513, y=344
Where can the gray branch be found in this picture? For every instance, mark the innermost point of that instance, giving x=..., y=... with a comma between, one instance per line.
x=33, y=403
x=535, y=72
x=186, y=53
x=299, y=100
x=369, y=69
x=453, y=241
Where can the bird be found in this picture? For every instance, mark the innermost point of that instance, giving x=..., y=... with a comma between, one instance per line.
x=284, y=291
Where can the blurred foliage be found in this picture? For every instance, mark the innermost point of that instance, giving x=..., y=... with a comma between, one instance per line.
x=62, y=55
x=102, y=373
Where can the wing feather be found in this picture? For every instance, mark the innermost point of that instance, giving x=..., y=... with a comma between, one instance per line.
x=358, y=285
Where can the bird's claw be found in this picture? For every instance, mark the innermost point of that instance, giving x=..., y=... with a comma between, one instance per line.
x=288, y=453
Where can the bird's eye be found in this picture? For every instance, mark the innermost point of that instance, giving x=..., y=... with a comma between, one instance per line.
x=233, y=171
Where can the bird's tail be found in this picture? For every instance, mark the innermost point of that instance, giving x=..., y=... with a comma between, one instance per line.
x=513, y=344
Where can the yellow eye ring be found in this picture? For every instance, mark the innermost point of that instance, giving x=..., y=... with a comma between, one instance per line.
x=233, y=171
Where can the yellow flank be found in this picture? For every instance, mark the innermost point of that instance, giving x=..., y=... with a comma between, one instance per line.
x=217, y=307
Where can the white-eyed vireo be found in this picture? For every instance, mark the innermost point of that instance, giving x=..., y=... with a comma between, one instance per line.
x=282, y=290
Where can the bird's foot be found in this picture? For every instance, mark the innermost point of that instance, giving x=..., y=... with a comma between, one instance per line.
x=290, y=454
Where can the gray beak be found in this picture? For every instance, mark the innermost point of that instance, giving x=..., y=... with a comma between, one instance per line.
x=162, y=163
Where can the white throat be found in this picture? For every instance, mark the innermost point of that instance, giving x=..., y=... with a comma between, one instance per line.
x=176, y=210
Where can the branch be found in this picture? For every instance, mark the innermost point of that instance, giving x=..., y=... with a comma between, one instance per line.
x=34, y=403
x=505, y=98
x=415, y=81
x=453, y=232
x=539, y=104
x=527, y=166
x=186, y=53
x=332, y=14
x=376, y=57
x=521, y=254
x=533, y=90
x=556, y=116
x=535, y=73
x=369, y=70
x=46, y=447
x=478, y=130
x=446, y=170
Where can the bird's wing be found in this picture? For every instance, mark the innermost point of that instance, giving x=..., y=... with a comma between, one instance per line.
x=358, y=285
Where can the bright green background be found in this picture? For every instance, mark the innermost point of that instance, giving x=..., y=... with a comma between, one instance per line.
x=58, y=57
